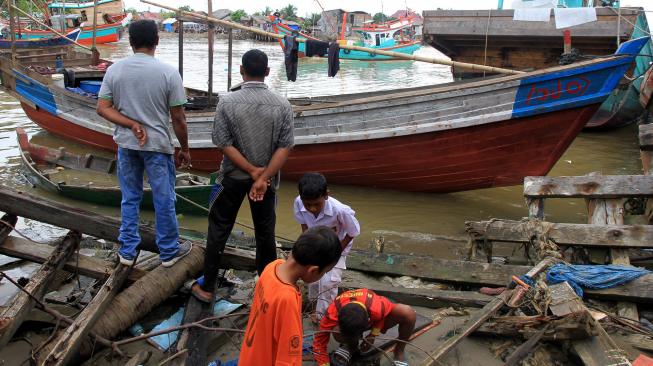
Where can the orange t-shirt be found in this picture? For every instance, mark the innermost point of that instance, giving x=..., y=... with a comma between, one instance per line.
x=274, y=330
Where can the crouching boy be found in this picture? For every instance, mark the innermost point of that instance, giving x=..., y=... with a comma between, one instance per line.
x=354, y=312
x=274, y=330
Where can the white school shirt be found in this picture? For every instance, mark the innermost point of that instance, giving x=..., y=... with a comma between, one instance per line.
x=335, y=215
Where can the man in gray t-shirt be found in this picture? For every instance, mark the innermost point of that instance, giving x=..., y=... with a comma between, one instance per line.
x=139, y=95
x=253, y=129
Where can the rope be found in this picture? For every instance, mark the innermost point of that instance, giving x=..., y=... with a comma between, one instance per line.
x=629, y=22
x=238, y=223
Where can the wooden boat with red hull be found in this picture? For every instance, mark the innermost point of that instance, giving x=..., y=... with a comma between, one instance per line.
x=443, y=138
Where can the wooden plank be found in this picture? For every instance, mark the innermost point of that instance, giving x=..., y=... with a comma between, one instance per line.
x=69, y=340
x=99, y=226
x=646, y=137
x=424, y=297
x=4, y=229
x=601, y=235
x=569, y=327
x=524, y=349
x=84, y=265
x=589, y=186
x=435, y=269
x=611, y=212
x=479, y=318
x=22, y=303
x=193, y=340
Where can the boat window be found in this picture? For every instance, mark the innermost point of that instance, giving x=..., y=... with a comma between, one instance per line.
x=378, y=40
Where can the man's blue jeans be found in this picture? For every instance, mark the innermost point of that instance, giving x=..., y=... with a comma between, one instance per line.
x=160, y=169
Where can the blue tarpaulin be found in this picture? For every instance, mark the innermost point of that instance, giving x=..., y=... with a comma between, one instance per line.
x=593, y=276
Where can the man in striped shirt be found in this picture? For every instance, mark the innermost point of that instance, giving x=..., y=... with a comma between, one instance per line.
x=254, y=130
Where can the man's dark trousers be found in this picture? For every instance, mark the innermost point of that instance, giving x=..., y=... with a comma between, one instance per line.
x=222, y=217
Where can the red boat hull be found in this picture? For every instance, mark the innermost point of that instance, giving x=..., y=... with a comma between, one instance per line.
x=481, y=156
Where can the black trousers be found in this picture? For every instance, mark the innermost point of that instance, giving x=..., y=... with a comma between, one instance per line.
x=221, y=221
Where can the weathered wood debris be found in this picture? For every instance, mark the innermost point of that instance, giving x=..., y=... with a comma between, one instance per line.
x=479, y=307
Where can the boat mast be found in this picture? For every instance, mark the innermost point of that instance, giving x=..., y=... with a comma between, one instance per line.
x=12, y=28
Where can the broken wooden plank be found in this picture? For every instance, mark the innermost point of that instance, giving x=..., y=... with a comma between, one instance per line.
x=646, y=137
x=571, y=326
x=6, y=230
x=82, y=264
x=22, y=303
x=194, y=340
x=595, y=235
x=70, y=339
x=524, y=349
x=100, y=226
x=480, y=317
x=424, y=297
x=436, y=269
x=589, y=186
x=594, y=351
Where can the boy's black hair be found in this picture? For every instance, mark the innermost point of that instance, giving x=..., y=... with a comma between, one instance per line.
x=353, y=321
x=255, y=63
x=312, y=186
x=143, y=33
x=317, y=246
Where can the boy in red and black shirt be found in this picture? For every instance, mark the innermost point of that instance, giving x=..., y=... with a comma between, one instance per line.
x=354, y=312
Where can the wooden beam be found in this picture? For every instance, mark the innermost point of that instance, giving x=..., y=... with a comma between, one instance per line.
x=99, y=226
x=22, y=303
x=480, y=317
x=84, y=265
x=589, y=186
x=569, y=327
x=424, y=297
x=596, y=235
x=646, y=137
x=69, y=340
x=194, y=340
x=524, y=349
x=435, y=269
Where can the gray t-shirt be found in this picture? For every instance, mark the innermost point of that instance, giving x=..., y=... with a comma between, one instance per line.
x=254, y=120
x=144, y=89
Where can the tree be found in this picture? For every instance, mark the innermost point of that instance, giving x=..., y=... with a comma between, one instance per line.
x=133, y=11
x=311, y=20
x=380, y=18
x=289, y=12
x=186, y=8
x=237, y=15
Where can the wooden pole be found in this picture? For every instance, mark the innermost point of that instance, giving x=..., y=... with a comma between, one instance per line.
x=398, y=55
x=94, y=23
x=50, y=28
x=12, y=28
x=230, y=50
x=211, y=39
x=180, y=28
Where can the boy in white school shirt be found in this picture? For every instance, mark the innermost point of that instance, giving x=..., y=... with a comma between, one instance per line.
x=313, y=207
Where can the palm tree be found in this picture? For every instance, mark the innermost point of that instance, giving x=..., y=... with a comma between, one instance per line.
x=289, y=12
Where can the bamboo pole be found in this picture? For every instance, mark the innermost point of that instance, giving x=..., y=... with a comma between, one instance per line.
x=50, y=28
x=12, y=28
x=230, y=50
x=211, y=41
x=94, y=23
x=180, y=28
x=403, y=56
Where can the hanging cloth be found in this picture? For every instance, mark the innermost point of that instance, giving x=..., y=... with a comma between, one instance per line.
x=532, y=15
x=290, y=52
x=569, y=17
x=334, y=58
x=316, y=48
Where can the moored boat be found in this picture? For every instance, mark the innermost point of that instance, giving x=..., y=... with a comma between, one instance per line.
x=46, y=43
x=380, y=37
x=91, y=178
x=442, y=138
x=493, y=37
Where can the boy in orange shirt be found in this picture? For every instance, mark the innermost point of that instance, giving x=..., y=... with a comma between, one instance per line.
x=274, y=330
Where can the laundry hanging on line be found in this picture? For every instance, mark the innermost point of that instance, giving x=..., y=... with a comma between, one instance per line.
x=316, y=48
x=290, y=54
x=334, y=59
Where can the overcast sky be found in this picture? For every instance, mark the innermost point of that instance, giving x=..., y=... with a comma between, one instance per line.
x=370, y=6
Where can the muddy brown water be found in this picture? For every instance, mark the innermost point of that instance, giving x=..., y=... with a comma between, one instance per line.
x=409, y=222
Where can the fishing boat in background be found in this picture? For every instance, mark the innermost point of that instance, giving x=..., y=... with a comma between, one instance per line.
x=493, y=37
x=92, y=178
x=391, y=36
x=46, y=43
x=111, y=21
x=442, y=138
